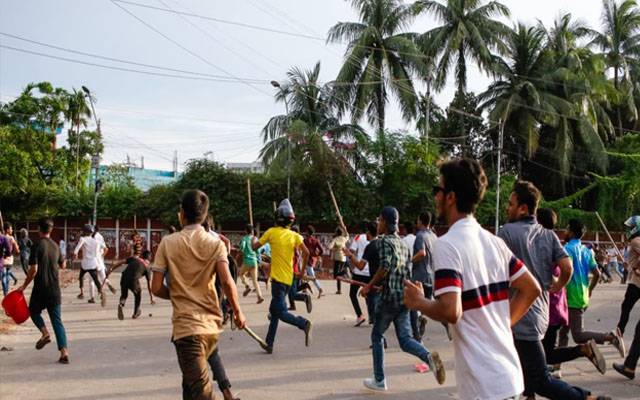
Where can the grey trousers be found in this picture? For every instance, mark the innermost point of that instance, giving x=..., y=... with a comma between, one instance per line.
x=576, y=326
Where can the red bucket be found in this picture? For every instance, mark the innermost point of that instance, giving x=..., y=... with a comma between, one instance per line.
x=15, y=306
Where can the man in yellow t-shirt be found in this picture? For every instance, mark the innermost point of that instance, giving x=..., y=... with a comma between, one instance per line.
x=283, y=242
x=194, y=260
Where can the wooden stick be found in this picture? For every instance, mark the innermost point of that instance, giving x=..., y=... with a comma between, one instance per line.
x=249, y=196
x=255, y=337
x=357, y=283
x=1, y=222
x=274, y=207
x=335, y=206
x=609, y=235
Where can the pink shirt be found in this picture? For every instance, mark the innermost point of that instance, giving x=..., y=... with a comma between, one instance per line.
x=558, y=309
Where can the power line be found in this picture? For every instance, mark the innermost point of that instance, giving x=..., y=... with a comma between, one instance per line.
x=256, y=80
x=220, y=20
x=115, y=2
x=112, y=67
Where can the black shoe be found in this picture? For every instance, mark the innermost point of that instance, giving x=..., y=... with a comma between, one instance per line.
x=267, y=348
x=622, y=371
x=307, y=334
x=423, y=325
x=309, y=304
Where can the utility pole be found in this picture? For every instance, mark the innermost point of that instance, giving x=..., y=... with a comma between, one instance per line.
x=95, y=159
x=498, y=171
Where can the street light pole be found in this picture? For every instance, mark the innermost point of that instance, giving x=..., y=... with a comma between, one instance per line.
x=95, y=160
x=276, y=84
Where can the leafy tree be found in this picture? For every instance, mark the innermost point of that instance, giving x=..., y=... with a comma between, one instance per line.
x=380, y=58
x=317, y=138
x=469, y=30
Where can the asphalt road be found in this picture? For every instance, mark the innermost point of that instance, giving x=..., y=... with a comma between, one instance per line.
x=134, y=359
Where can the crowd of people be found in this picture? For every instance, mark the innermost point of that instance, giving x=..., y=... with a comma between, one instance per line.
x=507, y=302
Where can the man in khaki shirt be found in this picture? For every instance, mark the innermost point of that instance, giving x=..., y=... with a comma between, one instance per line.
x=193, y=260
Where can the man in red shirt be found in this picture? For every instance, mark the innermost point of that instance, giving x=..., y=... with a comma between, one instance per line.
x=315, y=252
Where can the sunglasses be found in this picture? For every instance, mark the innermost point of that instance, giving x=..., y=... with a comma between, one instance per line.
x=437, y=189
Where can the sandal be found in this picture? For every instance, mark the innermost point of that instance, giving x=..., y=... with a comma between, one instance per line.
x=43, y=342
x=64, y=360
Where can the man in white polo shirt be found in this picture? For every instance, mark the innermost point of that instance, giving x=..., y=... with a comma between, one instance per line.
x=474, y=271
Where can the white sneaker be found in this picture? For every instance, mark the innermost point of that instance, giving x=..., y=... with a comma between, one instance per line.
x=372, y=384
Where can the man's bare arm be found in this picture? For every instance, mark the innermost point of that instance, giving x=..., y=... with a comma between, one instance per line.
x=527, y=291
x=445, y=308
x=157, y=285
x=419, y=256
x=566, y=270
x=230, y=291
x=33, y=270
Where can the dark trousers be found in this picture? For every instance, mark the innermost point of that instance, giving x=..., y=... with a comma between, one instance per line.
x=631, y=297
x=338, y=270
x=353, y=294
x=193, y=352
x=294, y=295
x=24, y=263
x=633, y=356
x=219, y=373
x=537, y=378
x=576, y=326
x=413, y=315
x=56, y=322
x=279, y=312
x=94, y=275
x=125, y=286
x=558, y=355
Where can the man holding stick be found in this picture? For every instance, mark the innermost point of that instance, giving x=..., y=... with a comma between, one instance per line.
x=392, y=272
x=194, y=260
x=283, y=244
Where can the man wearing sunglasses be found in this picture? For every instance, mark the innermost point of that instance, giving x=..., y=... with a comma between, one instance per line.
x=474, y=271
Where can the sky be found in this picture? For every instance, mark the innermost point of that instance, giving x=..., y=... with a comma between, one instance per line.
x=222, y=112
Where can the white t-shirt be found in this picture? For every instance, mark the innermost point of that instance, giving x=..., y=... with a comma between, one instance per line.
x=612, y=255
x=358, y=245
x=98, y=236
x=409, y=240
x=480, y=266
x=90, y=250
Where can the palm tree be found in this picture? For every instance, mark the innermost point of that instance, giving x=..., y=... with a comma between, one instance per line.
x=577, y=76
x=620, y=43
x=520, y=98
x=77, y=112
x=379, y=58
x=311, y=128
x=468, y=30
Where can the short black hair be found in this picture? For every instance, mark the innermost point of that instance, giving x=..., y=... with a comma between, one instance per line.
x=547, y=217
x=466, y=178
x=45, y=225
x=172, y=229
x=248, y=228
x=146, y=254
x=195, y=206
x=527, y=194
x=372, y=229
x=311, y=230
x=7, y=225
x=576, y=227
x=409, y=227
x=425, y=218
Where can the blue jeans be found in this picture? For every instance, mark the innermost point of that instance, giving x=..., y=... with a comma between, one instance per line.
x=385, y=315
x=4, y=278
x=56, y=321
x=414, y=316
x=279, y=312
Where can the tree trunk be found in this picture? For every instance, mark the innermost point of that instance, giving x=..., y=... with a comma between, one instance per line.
x=618, y=111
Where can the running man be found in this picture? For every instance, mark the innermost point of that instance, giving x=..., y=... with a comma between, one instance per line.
x=360, y=274
x=579, y=291
x=91, y=248
x=474, y=271
x=283, y=243
x=194, y=260
x=541, y=250
x=249, y=264
x=632, y=295
x=44, y=262
x=137, y=267
x=315, y=252
x=338, y=242
x=392, y=272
